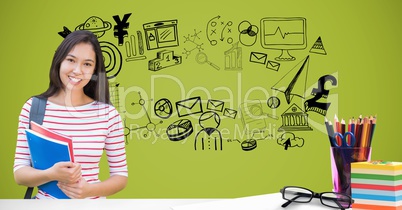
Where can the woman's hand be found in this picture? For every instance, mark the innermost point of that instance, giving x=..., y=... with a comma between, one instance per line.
x=66, y=172
x=78, y=190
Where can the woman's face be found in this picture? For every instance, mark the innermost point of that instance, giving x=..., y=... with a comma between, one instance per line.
x=77, y=68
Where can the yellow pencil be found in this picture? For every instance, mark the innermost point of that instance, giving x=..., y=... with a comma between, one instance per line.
x=364, y=134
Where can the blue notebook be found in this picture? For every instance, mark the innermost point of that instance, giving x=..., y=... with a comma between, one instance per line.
x=45, y=152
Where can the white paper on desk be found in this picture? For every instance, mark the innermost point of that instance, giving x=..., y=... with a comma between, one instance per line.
x=258, y=202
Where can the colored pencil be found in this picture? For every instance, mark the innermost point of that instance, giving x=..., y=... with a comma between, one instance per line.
x=330, y=131
x=372, y=128
x=343, y=127
x=352, y=126
x=364, y=134
x=337, y=129
x=359, y=127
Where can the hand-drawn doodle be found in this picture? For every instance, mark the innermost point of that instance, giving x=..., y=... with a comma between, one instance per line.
x=140, y=43
x=126, y=131
x=294, y=88
x=150, y=126
x=253, y=117
x=114, y=95
x=209, y=138
x=112, y=58
x=213, y=26
x=202, y=58
x=257, y=57
x=318, y=93
x=189, y=106
x=164, y=59
x=227, y=25
x=233, y=58
x=96, y=25
x=192, y=39
x=163, y=108
x=161, y=34
x=212, y=23
x=179, y=130
x=65, y=32
x=215, y=105
x=249, y=144
x=318, y=47
x=288, y=33
x=289, y=139
x=120, y=29
x=272, y=65
x=230, y=113
x=131, y=48
x=248, y=33
x=273, y=102
x=294, y=119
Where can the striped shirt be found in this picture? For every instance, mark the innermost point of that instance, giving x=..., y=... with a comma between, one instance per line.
x=94, y=128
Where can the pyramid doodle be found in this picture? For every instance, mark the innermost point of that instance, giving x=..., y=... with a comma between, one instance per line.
x=318, y=47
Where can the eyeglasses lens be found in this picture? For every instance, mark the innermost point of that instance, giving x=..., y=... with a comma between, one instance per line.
x=335, y=200
x=296, y=194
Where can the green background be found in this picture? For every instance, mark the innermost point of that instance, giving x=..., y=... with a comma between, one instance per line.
x=362, y=40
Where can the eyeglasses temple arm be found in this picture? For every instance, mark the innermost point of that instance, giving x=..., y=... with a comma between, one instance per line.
x=295, y=198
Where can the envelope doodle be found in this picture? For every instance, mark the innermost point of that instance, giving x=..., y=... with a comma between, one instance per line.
x=257, y=57
x=230, y=113
x=215, y=105
x=189, y=106
x=273, y=65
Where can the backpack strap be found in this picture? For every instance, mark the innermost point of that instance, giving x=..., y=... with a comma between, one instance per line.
x=36, y=114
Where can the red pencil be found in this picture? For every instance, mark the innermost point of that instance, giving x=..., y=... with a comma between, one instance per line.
x=359, y=127
x=350, y=130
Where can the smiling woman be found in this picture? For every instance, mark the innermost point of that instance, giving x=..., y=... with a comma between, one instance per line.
x=77, y=68
x=78, y=106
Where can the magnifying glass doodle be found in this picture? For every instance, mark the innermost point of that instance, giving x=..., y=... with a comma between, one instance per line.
x=202, y=58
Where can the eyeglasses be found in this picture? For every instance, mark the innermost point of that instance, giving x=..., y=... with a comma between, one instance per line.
x=303, y=195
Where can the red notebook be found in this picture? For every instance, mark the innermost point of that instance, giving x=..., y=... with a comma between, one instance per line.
x=54, y=135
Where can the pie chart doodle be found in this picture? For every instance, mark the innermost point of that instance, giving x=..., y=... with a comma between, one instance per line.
x=273, y=102
x=179, y=130
x=163, y=108
x=249, y=144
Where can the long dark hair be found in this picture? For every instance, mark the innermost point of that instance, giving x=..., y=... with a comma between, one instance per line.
x=98, y=86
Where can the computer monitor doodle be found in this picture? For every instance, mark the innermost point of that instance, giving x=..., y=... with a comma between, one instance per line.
x=286, y=33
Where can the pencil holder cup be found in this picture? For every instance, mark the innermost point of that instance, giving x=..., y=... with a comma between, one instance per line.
x=341, y=158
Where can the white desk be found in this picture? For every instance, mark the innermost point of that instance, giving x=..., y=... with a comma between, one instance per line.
x=259, y=202
x=98, y=204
